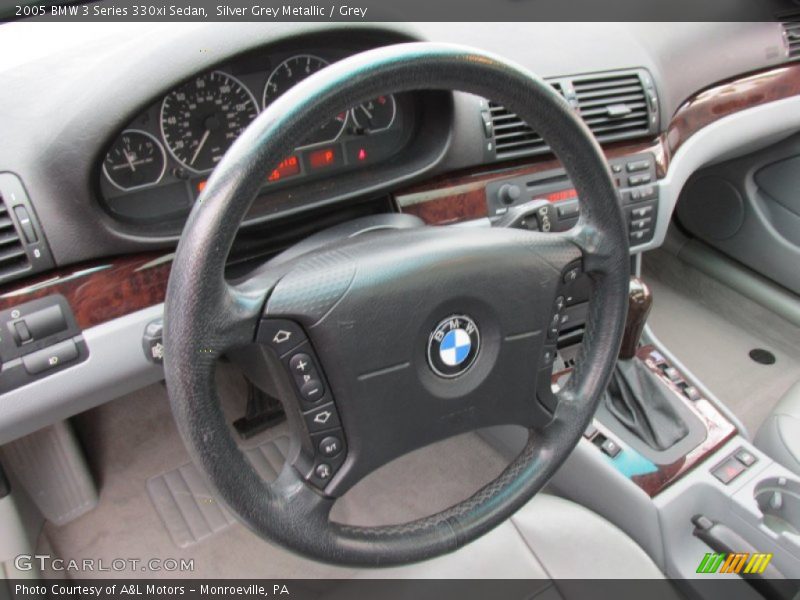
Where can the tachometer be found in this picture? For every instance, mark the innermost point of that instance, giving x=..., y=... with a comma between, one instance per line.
x=201, y=119
x=136, y=159
x=291, y=72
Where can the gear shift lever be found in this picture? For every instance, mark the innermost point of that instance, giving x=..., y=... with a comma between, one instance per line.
x=640, y=300
x=634, y=395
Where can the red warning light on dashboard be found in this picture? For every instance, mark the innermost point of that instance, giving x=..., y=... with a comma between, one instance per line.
x=362, y=154
x=288, y=167
x=322, y=158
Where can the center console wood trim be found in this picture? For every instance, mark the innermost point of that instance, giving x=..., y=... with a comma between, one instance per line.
x=99, y=292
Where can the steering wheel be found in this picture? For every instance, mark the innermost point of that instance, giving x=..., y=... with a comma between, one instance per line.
x=386, y=342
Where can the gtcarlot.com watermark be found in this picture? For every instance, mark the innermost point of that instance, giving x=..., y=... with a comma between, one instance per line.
x=45, y=562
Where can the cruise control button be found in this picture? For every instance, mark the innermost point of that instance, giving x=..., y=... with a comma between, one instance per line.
x=330, y=446
x=322, y=418
x=280, y=334
x=50, y=358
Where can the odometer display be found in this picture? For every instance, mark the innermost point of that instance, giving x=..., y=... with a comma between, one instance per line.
x=201, y=119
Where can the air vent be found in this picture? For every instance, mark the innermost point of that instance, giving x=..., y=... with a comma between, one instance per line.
x=614, y=106
x=791, y=33
x=13, y=257
x=512, y=136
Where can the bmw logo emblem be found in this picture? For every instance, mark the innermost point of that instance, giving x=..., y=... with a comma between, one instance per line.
x=453, y=346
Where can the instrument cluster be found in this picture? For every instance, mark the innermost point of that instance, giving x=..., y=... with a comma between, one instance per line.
x=158, y=164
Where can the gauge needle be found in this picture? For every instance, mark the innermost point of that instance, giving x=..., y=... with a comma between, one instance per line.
x=129, y=158
x=200, y=146
x=366, y=112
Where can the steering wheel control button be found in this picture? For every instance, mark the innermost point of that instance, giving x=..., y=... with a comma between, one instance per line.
x=303, y=368
x=281, y=335
x=453, y=346
x=572, y=274
x=322, y=418
x=323, y=471
x=330, y=446
x=312, y=390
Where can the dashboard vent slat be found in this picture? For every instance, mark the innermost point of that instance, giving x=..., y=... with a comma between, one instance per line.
x=512, y=136
x=13, y=257
x=615, y=106
x=791, y=33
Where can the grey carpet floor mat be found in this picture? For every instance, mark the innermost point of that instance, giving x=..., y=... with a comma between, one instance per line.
x=187, y=507
x=711, y=328
x=133, y=440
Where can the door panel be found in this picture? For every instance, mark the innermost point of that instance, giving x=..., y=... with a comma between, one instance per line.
x=749, y=208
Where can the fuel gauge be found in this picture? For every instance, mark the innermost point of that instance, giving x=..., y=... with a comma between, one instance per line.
x=135, y=160
x=375, y=115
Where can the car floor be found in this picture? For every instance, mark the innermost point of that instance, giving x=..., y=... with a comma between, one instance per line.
x=134, y=439
x=711, y=328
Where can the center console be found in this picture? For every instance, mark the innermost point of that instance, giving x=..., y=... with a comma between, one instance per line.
x=709, y=506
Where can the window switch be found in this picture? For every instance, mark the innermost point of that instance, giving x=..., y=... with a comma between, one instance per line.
x=611, y=448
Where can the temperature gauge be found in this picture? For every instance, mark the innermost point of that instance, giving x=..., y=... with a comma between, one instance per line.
x=375, y=115
x=135, y=160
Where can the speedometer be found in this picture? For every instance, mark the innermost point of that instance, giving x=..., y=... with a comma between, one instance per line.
x=201, y=119
x=291, y=72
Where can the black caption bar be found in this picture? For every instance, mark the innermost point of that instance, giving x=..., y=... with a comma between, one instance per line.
x=385, y=589
x=389, y=10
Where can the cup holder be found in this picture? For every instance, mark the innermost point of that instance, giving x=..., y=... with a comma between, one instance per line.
x=779, y=501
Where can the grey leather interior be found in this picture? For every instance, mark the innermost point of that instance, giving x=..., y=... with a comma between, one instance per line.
x=549, y=537
x=779, y=436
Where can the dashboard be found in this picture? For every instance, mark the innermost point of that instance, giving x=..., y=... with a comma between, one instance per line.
x=158, y=164
x=102, y=158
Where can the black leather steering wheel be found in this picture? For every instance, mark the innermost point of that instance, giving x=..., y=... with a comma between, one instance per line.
x=407, y=336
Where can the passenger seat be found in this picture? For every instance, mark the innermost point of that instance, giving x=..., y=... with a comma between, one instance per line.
x=779, y=435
